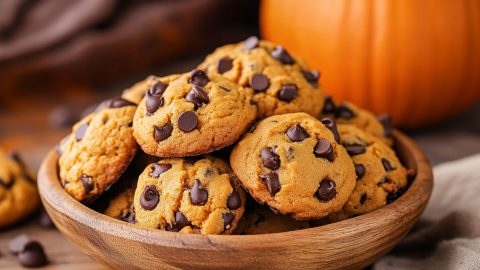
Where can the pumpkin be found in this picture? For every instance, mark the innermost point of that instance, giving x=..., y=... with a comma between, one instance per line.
x=416, y=60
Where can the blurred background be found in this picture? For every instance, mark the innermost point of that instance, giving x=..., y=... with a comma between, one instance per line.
x=418, y=61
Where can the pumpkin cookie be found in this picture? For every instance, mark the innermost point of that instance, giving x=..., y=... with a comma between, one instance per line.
x=189, y=195
x=18, y=191
x=380, y=176
x=294, y=164
x=262, y=220
x=282, y=83
x=192, y=115
x=136, y=92
x=98, y=151
x=348, y=113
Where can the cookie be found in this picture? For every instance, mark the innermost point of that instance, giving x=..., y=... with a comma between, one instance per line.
x=137, y=92
x=189, y=195
x=348, y=113
x=18, y=191
x=294, y=164
x=380, y=176
x=262, y=220
x=121, y=206
x=192, y=115
x=282, y=83
x=98, y=151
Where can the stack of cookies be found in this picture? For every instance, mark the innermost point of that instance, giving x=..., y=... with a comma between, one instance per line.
x=247, y=143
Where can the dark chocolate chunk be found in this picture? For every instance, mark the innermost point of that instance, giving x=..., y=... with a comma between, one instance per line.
x=272, y=182
x=391, y=197
x=32, y=255
x=224, y=65
x=359, y=171
x=149, y=198
x=17, y=244
x=387, y=165
x=297, y=133
x=355, y=149
x=270, y=159
x=81, y=130
x=343, y=111
x=197, y=96
x=158, y=168
x=288, y=92
x=311, y=76
x=87, y=183
x=234, y=201
x=154, y=99
x=386, y=121
x=327, y=190
x=180, y=222
x=282, y=55
x=332, y=125
x=250, y=43
x=227, y=220
x=163, y=132
x=187, y=121
x=259, y=82
x=329, y=106
x=363, y=198
x=324, y=149
x=198, y=77
x=198, y=195
x=44, y=219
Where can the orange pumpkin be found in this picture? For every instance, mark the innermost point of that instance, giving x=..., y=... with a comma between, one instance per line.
x=417, y=60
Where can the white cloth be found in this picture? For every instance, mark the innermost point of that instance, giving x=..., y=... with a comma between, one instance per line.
x=448, y=233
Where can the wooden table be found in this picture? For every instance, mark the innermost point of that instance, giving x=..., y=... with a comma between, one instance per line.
x=24, y=127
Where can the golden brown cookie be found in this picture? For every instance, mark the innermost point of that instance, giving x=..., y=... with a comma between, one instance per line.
x=121, y=206
x=192, y=195
x=191, y=115
x=380, y=176
x=262, y=220
x=98, y=151
x=136, y=92
x=18, y=191
x=348, y=113
x=282, y=83
x=293, y=163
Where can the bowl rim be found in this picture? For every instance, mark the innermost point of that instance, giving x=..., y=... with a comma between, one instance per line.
x=55, y=196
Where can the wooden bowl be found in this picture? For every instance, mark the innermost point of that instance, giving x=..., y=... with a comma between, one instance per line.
x=349, y=244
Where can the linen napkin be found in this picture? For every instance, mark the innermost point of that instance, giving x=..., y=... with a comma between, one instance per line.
x=448, y=233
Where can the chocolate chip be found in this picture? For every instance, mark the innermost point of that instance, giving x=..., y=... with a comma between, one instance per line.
x=180, y=222
x=324, y=149
x=288, y=92
x=44, y=220
x=128, y=217
x=384, y=180
x=163, y=132
x=81, y=130
x=227, y=220
x=158, y=168
x=197, y=96
x=290, y=153
x=332, y=125
x=17, y=244
x=149, y=198
x=329, y=106
x=154, y=99
x=224, y=65
x=272, y=182
x=259, y=82
x=87, y=183
x=391, y=197
x=326, y=191
x=120, y=102
x=363, y=198
x=233, y=201
x=198, y=77
x=359, y=171
x=297, y=133
x=386, y=121
x=282, y=55
x=387, y=165
x=343, y=111
x=355, y=149
x=250, y=43
x=187, y=121
x=32, y=255
x=269, y=158
x=311, y=76
x=198, y=196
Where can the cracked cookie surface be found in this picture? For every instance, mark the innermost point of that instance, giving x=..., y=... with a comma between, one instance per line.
x=189, y=195
x=98, y=151
x=191, y=115
x=294, y=164
x=282, y=83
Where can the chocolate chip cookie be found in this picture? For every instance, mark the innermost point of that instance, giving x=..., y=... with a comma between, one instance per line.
x=282, y=83
x=190, y=195
x=192, y=115
x=98, y=151
x=136, y=92
x=121, y=206
x=380, y=175
x=348, y=113
x=262, y=220
x=18, y=191
x=296, y=165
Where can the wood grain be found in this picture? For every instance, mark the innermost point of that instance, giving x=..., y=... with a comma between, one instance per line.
x=350, y=244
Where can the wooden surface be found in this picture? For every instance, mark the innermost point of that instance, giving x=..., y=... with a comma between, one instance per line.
x=24, y=127
x=350, y=244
